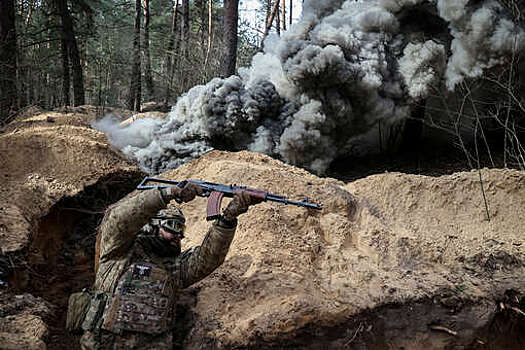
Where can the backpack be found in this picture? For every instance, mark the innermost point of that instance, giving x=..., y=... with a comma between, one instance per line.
x=85, y=309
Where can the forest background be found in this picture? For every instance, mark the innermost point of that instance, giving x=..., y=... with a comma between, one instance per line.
x=123, y=53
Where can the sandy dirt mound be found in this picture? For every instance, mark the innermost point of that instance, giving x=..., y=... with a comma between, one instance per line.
x=54, y=169
x=153, y=114
x=22, y=323
x=78, y=116
x=42, y=164
x=392, y=261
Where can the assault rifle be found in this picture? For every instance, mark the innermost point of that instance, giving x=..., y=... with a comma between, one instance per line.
x=216, y=192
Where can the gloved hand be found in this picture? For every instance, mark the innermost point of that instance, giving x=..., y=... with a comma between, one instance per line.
x=240, y=203
x=186, y=193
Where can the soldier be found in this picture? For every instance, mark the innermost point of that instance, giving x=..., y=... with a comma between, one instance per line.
x=140, y=275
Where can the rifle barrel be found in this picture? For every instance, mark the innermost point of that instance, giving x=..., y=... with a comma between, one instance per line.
x=305, y=204
x=168, y=183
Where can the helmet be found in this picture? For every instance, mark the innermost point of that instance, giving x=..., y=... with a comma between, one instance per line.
x=171, y=219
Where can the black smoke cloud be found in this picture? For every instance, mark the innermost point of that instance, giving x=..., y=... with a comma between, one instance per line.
x=321, y=90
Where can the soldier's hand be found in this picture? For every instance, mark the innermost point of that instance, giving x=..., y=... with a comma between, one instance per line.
x=184, y=192
x=187, y=192
x=240, y=203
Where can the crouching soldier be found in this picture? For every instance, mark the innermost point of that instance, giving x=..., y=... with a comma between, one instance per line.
x=141, y=268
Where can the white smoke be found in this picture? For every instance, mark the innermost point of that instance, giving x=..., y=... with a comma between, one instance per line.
x=421, y=66
x=138, y=134
x=483, y=38
x=320, y=90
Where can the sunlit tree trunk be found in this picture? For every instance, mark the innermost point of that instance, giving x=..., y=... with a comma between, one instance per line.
x=230, y=37
x=269, y=21
x=210, y=39
x=268, y=12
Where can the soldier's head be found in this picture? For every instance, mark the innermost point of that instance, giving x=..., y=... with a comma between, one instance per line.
x=170, y=225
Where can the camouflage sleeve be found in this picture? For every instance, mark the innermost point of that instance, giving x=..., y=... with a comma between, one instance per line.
x=124, y=219
x=204, y=259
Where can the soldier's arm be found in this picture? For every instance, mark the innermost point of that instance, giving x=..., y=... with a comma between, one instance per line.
x=200, y=261
x=125, y=218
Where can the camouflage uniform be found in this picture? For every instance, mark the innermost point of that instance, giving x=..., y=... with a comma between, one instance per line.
x=141, y=286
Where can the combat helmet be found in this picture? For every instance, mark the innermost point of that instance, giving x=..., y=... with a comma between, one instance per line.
x=171, y=219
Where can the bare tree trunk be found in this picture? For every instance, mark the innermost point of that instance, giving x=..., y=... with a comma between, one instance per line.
x=23, y=69
x=184, y=42
x=268, y=12
x=185, y=25
x=283, y=7
x=68, y=35
x=202, y=5
x=291, y=11
x=198, y=4
x=269, y=22
x=278, y=19
x=78, y=77
x=66, y=82
x=8, y=50
x=135, y=89
x=171, y=51
x=230, y=37
x=25, y=75
x=99, y=92
x=147, y=57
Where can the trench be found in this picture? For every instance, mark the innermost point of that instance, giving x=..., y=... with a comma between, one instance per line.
x=60, y=259
x=60, y=262
x=414, y=325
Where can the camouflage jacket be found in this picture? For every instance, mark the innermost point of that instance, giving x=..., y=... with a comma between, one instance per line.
x=121, y=254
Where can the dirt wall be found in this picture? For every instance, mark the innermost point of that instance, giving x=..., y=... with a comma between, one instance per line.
x=382, y=247
x=58, y=175
x=392, y=261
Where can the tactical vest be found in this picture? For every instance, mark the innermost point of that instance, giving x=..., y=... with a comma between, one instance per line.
x=143, y=301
